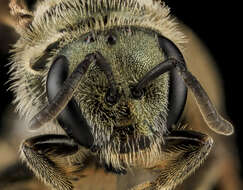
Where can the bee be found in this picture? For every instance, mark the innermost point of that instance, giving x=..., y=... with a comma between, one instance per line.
x=103, y=85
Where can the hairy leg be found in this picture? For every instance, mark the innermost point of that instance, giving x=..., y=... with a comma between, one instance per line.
x=45, y=156
x=182, y=153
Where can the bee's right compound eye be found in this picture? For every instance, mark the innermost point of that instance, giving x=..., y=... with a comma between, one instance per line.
x=60, y=91
x=71, y=118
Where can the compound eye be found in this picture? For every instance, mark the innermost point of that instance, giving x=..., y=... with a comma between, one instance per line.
x=177, y=98
x=111, y=39
x=178, y=89
x=89, y=39
x=137, y=93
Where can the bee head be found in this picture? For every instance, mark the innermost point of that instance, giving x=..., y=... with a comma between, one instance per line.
x=101, y=111
x=117, y=112
x=108, y=71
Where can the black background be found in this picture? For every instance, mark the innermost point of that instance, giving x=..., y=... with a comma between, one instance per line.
x=217, y=23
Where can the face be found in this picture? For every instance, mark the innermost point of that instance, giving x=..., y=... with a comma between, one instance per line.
x=131, y=53
x=109, y=86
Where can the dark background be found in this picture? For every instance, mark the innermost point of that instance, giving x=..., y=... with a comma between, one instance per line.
x=217, y=24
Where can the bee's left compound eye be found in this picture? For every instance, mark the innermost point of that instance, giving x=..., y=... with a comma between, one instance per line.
x=180, y=77
x=177, y=98
x=177, y=87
